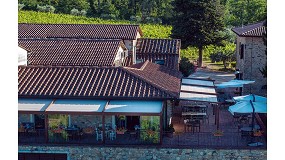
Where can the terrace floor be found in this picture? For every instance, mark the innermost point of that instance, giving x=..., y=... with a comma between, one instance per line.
x=231, y=138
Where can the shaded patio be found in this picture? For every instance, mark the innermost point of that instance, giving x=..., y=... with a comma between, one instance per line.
x=232, y=136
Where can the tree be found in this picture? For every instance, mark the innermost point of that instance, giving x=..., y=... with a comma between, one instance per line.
x=198, y=23
x=243, y=12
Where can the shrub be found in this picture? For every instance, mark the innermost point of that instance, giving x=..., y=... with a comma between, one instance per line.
x=107, y=16
x=135, y=18
x=20, y=6
x=74, y=12
x=83, y=12
x=46, y=8
x=186, y=67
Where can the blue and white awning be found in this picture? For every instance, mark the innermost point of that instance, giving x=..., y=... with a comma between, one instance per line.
x=33, y=105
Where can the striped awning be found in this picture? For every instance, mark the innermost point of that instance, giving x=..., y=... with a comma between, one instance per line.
x=77, y=106
x=134, y=106
x=193, y=89
x=33, y=105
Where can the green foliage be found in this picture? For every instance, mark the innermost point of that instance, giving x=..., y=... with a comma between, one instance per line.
x=76, y=12
x=149, y=30
x=151, y=129
x=186, y=67
x=243, y=12
x=46, y=8
x=189, y=53
x=198, y=23
x=20, y=6
x=118, y=9
x=223, y=53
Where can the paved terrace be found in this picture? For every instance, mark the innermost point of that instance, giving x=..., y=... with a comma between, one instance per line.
x=231, y=138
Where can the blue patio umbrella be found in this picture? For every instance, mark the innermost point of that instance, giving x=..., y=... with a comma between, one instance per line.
x=248, y=107
x=251, y=97
x=233, y=83
x=249, y=104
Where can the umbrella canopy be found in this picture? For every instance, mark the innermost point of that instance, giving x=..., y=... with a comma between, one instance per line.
x=234, y=83
x=246, y=107
x=252, y=97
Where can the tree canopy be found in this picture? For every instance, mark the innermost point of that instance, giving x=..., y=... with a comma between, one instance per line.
x=198, y=23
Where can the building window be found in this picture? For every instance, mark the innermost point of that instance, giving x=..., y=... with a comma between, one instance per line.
x=139, y=60
x=242, y=46
x=160, y=62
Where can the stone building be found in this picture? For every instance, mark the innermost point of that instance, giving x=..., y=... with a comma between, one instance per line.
x=251, y=57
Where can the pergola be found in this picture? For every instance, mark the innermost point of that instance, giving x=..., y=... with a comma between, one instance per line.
x=200, y=90
x=91, y=107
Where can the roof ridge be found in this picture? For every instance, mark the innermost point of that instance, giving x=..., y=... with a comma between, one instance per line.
x=150, y=82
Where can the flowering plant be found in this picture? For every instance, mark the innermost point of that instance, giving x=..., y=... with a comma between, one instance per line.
x=121, y=129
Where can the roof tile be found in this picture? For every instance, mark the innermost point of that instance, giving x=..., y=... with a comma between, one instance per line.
x=92, y=31
x=252, y=30
x=159, y=49
x=97, y=82
x=81, y=52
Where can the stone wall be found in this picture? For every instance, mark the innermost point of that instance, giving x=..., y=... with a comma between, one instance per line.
x=143, y=153
x=254, y=59
x=169, y=105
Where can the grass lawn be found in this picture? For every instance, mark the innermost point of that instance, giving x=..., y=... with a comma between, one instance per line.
x=218, y=66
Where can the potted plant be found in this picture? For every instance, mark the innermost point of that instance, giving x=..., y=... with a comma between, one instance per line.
x=218, y=133
x=257, y=133
x=169, y=131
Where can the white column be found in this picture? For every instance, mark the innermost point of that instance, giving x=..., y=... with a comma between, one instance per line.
x=32, y=118
x=69, y=121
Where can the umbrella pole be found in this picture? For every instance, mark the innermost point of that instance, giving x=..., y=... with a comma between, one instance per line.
x=253, y=113
x=218, y=117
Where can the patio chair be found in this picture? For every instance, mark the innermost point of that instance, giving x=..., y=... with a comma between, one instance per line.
x=99, y=135
x=112, y=135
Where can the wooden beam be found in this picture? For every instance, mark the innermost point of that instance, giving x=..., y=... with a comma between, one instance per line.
x=199, y=92
x=202, y=79
x=198, y=85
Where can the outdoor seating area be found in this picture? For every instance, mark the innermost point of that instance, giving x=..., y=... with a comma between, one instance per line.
x=234, y=130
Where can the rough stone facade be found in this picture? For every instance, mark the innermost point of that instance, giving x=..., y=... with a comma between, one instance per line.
x=253, y=60
x=169, y=105
x=145, y=153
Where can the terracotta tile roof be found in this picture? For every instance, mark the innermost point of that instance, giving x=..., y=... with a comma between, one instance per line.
x=92, y=31
x=80, y=52
x=159, y=49
x=94, y=82
x=252, y=30
x=159, y=75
